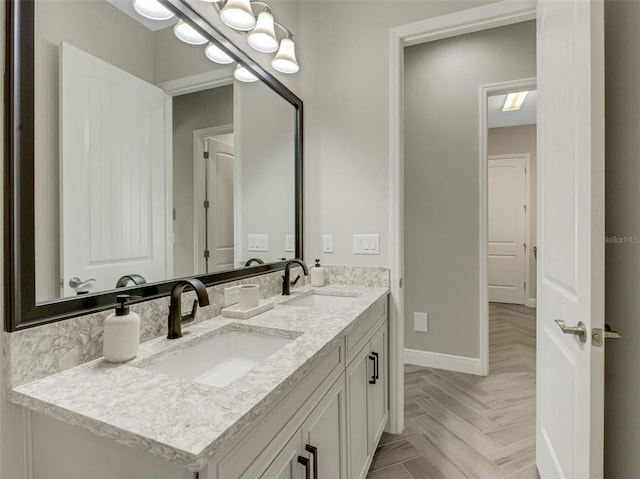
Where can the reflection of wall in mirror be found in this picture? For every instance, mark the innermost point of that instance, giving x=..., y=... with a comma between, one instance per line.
x=265, y=151
x=192, y=112
x=103, y=31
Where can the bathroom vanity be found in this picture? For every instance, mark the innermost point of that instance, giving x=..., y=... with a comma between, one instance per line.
x=318, y=401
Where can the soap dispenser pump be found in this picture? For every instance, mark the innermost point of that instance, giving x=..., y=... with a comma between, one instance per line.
x=121, y=332
x=317, y=275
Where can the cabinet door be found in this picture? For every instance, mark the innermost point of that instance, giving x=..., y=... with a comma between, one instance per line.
x=286, y=465
x=359, y=451
x=378, y=397
x=325, y=433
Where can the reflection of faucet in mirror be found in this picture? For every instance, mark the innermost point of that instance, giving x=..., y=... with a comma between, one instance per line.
x=286, y=281
x=134, y=278
x=176, y=318
x=254, y=260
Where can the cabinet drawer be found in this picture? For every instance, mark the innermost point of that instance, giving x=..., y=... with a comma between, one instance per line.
x=279, y=423
x=364, y=329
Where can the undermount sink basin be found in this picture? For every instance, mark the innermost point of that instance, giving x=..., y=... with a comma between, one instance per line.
x=224, y=357
x=321, y=301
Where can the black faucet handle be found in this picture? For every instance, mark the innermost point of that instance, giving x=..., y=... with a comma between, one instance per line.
x=188, y=317
x=293, y=283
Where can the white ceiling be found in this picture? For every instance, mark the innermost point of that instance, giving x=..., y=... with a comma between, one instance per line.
x=126, y=6
x=526, y=115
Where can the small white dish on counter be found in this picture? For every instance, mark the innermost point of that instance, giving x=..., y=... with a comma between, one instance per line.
x=236, y=311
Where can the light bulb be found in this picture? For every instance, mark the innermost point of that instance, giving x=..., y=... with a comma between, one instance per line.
x=215, y=54
x=285, y=59
x=188, y=34
x=152, y=9
x=263, y=37
x=244, y=75
x=238, y=14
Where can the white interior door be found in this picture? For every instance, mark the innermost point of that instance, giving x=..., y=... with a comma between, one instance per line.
x=113, y=173
x=507, y=187
x=570, y=382
x=220, y=211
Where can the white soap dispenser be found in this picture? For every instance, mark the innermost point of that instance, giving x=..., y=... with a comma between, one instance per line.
x=317, y=275
x=121, y=332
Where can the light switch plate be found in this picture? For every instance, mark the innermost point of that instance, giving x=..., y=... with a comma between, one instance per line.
x=327, y=243
x=366, y=244
x=289, y=243
x=258, y=242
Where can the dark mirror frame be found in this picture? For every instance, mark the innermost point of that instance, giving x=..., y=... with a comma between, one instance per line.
x=21, y=310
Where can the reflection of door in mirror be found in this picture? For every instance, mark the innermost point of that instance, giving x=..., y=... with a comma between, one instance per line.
x=114, y=180
x=214, y=199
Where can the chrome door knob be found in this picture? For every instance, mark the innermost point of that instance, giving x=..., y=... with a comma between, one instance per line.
x=580, y=330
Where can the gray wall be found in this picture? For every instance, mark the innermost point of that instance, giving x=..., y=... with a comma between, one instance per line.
x=203, y=109
x=521, y=139
x=622, y=261
x=90, y=27
x=343, y=50
x=442, y=177
x=265, y=153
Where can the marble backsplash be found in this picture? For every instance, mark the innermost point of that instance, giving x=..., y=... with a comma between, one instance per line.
x=44, y=350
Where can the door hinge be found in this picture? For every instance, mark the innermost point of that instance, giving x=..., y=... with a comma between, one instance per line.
x=206, y=204
x=206, y=253
x=524, y=245
x=525, y=208
x=400, y=282
x=525, y=285
x=206, y=155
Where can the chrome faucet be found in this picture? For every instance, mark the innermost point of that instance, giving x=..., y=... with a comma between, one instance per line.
x=286, y=279
x=176, y=318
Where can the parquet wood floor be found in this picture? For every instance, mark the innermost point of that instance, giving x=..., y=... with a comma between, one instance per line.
x=461, y=426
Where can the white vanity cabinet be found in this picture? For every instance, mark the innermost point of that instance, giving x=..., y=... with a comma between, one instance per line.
x=332, y=421
x=318, y=449
x=367, y=396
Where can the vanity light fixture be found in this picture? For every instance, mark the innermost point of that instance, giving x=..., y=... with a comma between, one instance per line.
x=263, y=36
x=244, y=75
x=152, y=9
x=285, y=60
x=215, y=54
x=188, y=34
x=238, y=15
x=514, y=101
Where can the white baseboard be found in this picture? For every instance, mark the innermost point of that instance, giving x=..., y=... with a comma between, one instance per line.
x=450, y=362
x=530, y=302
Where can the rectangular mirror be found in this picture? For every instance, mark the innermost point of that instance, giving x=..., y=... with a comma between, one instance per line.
x=138, y=160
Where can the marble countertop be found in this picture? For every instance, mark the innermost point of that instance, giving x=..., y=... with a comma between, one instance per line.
x=186, y=422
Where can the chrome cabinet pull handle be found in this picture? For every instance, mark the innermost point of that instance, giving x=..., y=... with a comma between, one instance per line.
x=580, y=330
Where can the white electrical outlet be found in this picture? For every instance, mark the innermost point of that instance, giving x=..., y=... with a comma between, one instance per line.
x=327, y=243
x=289, y=243
x=421, y=322
x=366, y=244
x=258, y=242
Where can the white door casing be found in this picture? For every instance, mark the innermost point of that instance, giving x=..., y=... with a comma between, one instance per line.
x=507, y=214
x=113, y=173
x=570, y=373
